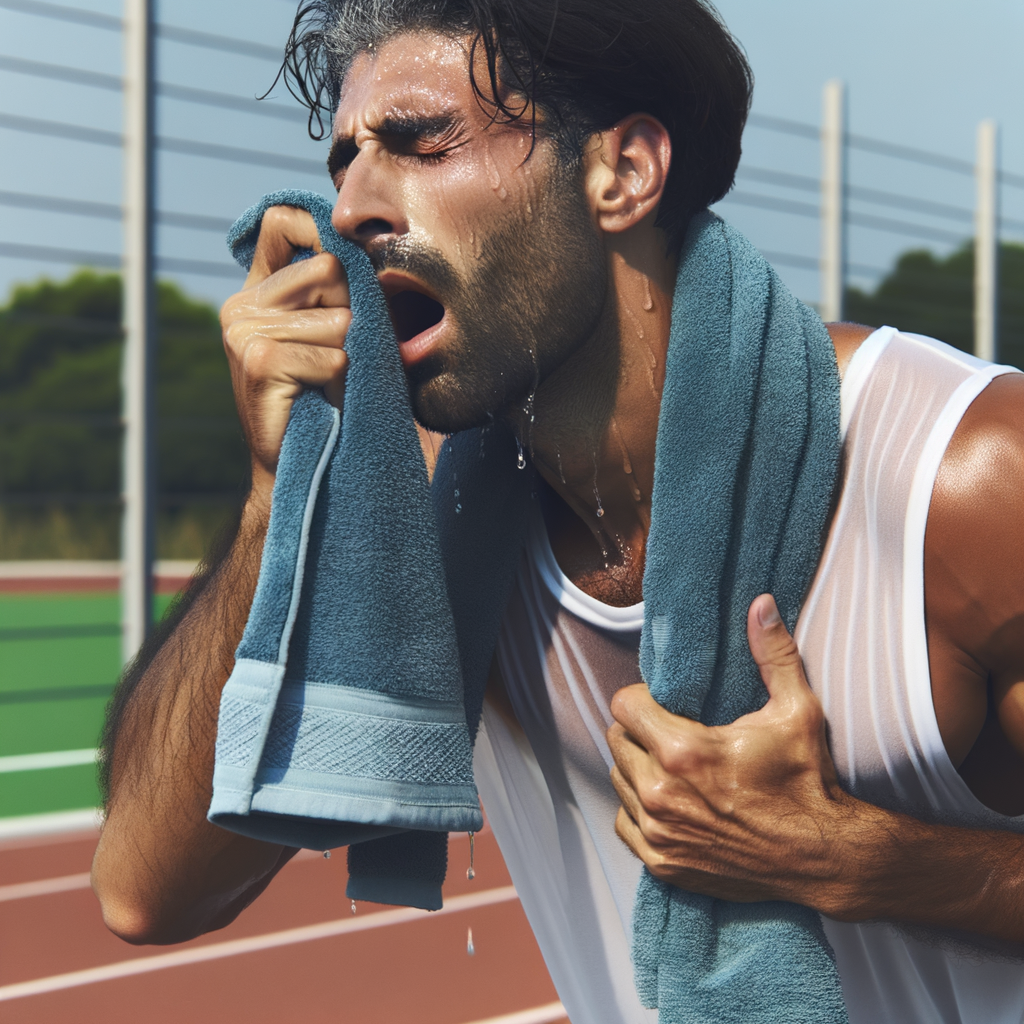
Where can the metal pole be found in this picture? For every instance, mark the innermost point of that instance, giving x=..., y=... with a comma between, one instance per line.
x=833, y=200
x=986, y=243
x=137, y=534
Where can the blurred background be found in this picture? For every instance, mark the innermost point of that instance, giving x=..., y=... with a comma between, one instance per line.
x=883, y=175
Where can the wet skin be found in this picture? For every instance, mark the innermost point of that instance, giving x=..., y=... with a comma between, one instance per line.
x=436, y=193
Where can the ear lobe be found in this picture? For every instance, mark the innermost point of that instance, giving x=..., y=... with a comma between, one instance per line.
x=627, y=171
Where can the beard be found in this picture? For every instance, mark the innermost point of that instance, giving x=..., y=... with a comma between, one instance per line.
x=533, y=297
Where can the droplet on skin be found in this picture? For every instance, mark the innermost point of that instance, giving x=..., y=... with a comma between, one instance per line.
x=470, y=948
x=636, y=322
x=648, y=298
x=327, y=854
x=353, y=906
x=521, y=460
x=627, y=466
x=561, y=474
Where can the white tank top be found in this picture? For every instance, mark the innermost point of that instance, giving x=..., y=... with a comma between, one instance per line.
x=862, y=636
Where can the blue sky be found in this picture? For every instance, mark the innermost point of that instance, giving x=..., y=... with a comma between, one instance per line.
x=919, y=73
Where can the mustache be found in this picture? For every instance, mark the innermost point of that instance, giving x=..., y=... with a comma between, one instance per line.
x=428, y=264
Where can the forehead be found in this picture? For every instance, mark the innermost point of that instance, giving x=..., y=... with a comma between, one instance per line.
x=415, y=72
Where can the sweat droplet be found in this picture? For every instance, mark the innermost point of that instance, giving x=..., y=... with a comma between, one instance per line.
x=648, y=298
x=521, y=460
x=600, y=511
x=470, y=948
x=353, y=906
x=470, y=873
x=327, y=854
x=458, y=509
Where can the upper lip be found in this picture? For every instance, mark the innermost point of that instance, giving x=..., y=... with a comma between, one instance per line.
x=395, y=281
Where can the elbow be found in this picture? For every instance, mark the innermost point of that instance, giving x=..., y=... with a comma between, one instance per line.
x=131, y=922
x=143, y=921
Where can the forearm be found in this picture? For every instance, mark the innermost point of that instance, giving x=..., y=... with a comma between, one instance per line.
x=162, y=872
x=893, y=867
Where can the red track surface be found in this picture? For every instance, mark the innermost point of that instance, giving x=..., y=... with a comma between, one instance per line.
x=416, y=972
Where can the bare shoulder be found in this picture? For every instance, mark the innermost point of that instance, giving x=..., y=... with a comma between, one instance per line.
x=847, y=338
x=974, y=548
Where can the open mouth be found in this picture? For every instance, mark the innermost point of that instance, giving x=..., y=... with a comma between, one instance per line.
x=412, y=313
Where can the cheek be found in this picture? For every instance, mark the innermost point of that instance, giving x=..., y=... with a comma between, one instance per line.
x=472, y=197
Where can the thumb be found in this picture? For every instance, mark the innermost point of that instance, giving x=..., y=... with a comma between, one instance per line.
x=774, y=650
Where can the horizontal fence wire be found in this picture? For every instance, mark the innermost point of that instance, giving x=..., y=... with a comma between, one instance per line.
x=109, y=22
x=112, y=261
x=189, y=147
x=187, y=94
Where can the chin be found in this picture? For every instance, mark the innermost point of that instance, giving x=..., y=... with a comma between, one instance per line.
x=443, y=406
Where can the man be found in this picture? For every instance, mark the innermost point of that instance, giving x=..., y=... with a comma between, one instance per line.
x=521, y=175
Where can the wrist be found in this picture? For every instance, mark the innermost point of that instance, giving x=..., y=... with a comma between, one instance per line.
x=867, y=844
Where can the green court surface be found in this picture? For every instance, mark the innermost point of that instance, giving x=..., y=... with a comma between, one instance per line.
x=59, y=660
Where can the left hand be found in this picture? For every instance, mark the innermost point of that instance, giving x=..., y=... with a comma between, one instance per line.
x=748, y=811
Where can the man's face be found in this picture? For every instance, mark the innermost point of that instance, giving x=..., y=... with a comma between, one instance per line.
x=493, y=266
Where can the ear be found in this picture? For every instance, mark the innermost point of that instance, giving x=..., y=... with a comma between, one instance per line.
x=625, y=171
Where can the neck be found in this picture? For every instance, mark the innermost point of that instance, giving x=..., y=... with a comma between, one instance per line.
x=595, y=422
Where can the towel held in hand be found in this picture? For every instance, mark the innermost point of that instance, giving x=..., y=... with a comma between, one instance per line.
x=358, y=684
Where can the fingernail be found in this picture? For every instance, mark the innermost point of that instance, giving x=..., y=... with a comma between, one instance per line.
x=768, y=613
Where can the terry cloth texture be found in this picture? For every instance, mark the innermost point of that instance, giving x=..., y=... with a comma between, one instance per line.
x=745, y=473
x=746, y=466
x=343, y=719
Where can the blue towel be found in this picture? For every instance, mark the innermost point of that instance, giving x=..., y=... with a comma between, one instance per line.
x=746, y=464
x=343, y=719
x=745, y=471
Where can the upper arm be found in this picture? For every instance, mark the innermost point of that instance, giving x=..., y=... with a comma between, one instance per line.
x=974, y=566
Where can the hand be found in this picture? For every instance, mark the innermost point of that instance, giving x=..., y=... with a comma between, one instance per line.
x=283, y=333
x=745, y=812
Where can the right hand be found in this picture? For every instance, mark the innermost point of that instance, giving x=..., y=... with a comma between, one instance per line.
x=284, y=332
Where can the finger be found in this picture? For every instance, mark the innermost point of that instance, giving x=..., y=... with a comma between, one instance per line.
x=308, y=284
x=628, y=796
x=325, y=328
x=649, y=723
x=773, y=648
x=267, y=364
x=629, y=832
x=284, y=231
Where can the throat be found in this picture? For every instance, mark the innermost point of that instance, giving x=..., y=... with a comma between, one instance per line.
x=607, y=568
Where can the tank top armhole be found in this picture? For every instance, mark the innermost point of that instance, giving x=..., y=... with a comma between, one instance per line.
x=858, y=371
x=915, y=637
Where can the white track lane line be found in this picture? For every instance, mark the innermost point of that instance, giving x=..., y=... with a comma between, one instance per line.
x=538, y=1015
x=43, y=887
x=253, y=944
x=48, y=759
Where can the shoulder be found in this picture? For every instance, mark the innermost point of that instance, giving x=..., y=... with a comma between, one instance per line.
x=974, y=547
x=847, y=338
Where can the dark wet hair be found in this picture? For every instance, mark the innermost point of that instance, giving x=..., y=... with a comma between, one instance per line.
x=585, y=64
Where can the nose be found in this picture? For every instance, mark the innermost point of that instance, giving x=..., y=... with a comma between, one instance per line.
x=369, y=206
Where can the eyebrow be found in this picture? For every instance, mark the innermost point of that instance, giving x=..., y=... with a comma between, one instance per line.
x=392, y=128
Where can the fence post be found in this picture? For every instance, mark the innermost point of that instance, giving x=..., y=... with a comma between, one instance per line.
x=137, y=531
x=986, y=243
x=833, y=200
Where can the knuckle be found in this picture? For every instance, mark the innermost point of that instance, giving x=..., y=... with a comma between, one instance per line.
x=808, y=715
x=258, y=358
x=654, y=797
x=278, y=217
x=659, y=865
x=677, y=755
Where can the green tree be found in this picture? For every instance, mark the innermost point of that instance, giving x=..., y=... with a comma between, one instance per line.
x=927, y=294
x=60, y=436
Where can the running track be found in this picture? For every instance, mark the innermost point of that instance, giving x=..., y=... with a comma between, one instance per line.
x=297, y=955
